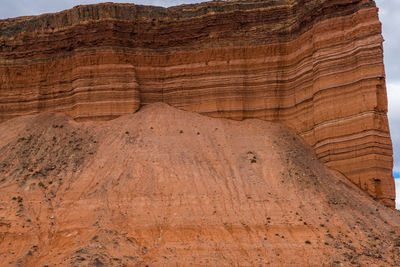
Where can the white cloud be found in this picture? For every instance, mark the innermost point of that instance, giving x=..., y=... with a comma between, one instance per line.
x=393, y=90
x=16, y=8
x=389, y=16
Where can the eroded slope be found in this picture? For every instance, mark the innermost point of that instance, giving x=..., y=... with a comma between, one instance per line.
x=164, y=187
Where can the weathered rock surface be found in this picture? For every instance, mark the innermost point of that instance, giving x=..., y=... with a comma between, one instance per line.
x=165, y=187
x=315, y=65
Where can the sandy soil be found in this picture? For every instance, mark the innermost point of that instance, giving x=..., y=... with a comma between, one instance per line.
x=164, y=187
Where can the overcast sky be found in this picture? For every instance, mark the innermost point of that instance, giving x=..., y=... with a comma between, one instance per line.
x=389, y=14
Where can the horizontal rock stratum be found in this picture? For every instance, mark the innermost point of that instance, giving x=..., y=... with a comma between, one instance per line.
x=314, y=65
x=166, y=187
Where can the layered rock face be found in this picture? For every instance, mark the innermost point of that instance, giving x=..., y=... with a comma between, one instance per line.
x=314, y=65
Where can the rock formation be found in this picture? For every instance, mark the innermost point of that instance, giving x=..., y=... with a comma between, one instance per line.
x=165, y=187
x=314, y=65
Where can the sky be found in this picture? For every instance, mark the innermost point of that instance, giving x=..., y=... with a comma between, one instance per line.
x=389, y=10
x=388, y=14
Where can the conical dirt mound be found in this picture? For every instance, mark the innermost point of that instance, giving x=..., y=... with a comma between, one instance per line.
x=164, y=187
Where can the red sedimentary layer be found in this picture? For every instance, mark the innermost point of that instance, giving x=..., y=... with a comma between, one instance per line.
x=316, y=66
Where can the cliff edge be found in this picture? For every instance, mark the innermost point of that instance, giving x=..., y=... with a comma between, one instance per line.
x=314, y=65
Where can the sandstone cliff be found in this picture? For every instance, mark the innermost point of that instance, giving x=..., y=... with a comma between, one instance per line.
x=315, y=65
x=165, y=187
